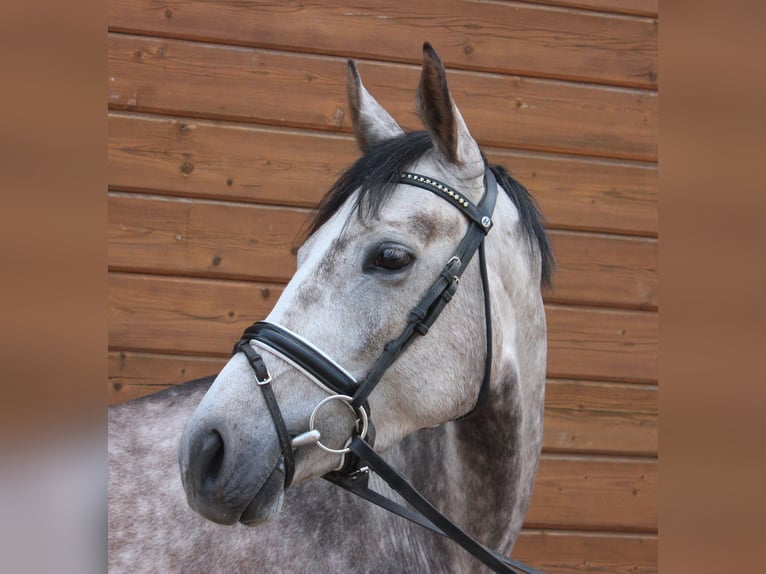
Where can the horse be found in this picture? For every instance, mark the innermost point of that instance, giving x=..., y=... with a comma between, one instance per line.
x=470, y=443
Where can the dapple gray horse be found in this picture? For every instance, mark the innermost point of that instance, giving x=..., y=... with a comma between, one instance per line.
x=372, y=251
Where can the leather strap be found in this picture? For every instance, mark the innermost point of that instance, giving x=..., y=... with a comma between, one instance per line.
x=484, y=389
x=312, y=360
x=263, y=379
x=423, y=315
x=420, y=319
x=477, y=215
x=425, y=514
x=317, y=365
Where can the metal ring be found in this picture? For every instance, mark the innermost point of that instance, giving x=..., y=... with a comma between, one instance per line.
x=362, y=417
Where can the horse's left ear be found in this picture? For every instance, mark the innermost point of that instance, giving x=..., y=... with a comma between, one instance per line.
x=372, y=123
x=441, y=116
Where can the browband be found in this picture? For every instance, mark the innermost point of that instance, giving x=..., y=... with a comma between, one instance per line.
x=479, y=216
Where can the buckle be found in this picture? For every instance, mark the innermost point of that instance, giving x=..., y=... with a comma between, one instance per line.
x=453, y=264
x=362, y=473
x=265, y=381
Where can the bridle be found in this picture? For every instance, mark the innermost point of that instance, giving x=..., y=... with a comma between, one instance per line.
x=359, y=458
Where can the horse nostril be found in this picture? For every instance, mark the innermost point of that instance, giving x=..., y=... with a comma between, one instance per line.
x=211, y=455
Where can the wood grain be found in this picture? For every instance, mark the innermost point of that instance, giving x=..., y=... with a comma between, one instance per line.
x=168, y=314
x=580, y=416
x=222, y=160
x=598, y=493
x=509, y=38
x=611, y=197
x=605, y=418
x=180, y=315
x=186, y=78
x=179, y=236
x=605, y=270
x=594, y=493
x=603, y=493
x=221, y=109
x=632, y=7
x=134, y=375
x=211, y=239
x=566, y=552
x=602, y=344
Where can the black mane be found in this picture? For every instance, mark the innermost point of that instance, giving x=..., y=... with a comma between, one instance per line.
x=374, y=175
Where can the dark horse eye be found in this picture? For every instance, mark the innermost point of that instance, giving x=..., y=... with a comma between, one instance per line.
x=393, y=258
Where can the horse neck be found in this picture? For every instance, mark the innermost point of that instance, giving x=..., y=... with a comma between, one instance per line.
x=498, y=448
x=509, y=429
x=480, y=470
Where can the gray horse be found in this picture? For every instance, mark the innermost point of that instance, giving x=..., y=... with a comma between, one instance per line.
x=372, y=251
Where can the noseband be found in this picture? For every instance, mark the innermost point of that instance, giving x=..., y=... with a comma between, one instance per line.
x=352, y=475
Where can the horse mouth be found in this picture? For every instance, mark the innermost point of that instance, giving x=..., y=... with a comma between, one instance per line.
x=267, y=502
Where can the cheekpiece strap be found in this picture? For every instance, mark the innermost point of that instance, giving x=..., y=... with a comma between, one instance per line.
x=423, y=315
x=263, y=379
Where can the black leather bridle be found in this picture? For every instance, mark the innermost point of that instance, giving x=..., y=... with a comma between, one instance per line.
x=359, y=456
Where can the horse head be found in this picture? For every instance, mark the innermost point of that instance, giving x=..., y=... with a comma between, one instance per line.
x=373, y=250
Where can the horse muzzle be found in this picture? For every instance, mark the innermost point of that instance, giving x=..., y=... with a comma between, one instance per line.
x=222, y=479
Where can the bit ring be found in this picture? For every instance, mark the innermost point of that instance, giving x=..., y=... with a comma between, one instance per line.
x=359, y=414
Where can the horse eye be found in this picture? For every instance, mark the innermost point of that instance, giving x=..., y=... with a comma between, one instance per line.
x=393, y=258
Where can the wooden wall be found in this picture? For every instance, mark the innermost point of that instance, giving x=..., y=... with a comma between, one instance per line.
x=228, y=121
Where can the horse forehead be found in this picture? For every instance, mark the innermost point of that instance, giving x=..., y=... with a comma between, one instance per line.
x=411, y=214
x=409, y=211
x=414, y=211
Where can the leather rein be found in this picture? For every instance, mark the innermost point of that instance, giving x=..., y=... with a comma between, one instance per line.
x=359, y=458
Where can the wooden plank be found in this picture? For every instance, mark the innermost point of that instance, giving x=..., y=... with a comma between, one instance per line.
x=580, y=416
x=605, y=418
x=607, y=397
x=119, y=393
x=492, y=37
x=583, y=195
x=594, y=493
x=605, y=270
x=584, y=492
x=186, y=78
x=133, y=375
x=587, y=343
x=563, y=552
x=203, y=238
x=165, y=235
x=631, y=7
x=588, y=433
x=168, y=314
x=220, y=160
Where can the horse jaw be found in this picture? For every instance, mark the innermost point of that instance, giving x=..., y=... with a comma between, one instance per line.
x=268, y=501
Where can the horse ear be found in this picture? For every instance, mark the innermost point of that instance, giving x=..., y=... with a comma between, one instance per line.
x=440, y=114
x=372, y=124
